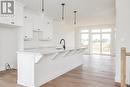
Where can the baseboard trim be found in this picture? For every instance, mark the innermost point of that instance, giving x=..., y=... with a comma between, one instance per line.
x=7, y=70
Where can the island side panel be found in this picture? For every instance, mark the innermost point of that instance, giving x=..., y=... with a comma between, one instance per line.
x=25, y=68
x=48, y=68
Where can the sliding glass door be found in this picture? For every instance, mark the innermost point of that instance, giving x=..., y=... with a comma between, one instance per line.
x=84, y=38
x=106, y=43
x=96, y=44
x=98, y=41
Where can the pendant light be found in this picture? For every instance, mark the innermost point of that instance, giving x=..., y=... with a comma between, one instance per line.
x=42, y=9
x=43, y=6
x=75, y=17
x=63, y=10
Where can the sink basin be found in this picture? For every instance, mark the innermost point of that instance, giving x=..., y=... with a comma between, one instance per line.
x=59, y=48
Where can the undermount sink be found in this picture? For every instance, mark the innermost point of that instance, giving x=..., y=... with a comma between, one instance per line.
x=59, y=48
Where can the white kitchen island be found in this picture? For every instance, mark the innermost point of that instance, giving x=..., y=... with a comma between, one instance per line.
x=39, y=66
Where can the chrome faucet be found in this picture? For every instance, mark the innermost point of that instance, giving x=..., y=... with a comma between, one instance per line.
x=63, y=44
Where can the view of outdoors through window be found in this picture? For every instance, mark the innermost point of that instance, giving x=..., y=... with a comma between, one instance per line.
x=95, y=45
x=85, y=40
x=98, y=41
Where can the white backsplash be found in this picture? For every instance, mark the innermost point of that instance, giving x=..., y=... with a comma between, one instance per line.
x=36, y=43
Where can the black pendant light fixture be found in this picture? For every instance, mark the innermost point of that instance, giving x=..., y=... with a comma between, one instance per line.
x=63, y=10
x=75, y=17
x=43, y=6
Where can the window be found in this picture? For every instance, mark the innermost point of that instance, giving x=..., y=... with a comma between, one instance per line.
x=96, y=31
x=106, y=43
x=106, y=30
x=98, y=41
x=84, y=31
x=84, y=38
x=95, y=44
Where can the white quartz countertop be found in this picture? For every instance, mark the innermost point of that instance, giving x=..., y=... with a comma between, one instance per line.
x=48, y=50
x=42, y=52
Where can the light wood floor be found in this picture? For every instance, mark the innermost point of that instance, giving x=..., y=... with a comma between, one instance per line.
x=97, y=71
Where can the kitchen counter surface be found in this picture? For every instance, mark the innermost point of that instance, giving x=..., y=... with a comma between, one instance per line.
x=48, y=50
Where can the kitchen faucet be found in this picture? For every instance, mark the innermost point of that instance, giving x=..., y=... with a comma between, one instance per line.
x=63, y=44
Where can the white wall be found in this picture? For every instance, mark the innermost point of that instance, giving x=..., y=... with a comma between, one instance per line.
x=77, y=37
x=123, y=34
x=64, y=31
x=8, y=46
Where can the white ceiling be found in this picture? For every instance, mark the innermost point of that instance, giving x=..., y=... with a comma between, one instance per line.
x=89, y=11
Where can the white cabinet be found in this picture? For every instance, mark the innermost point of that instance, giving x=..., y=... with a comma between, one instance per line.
x=28, y=26
x=5, y=20
x=36, y=23
x=13, y=20
x=47, y=29
x=43, y=25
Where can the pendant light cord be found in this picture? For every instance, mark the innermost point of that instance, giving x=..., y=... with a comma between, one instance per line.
x=63, y=10
x=75, y=17
x=42, y=5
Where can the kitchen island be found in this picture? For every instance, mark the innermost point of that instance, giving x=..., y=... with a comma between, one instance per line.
x=39, y=66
